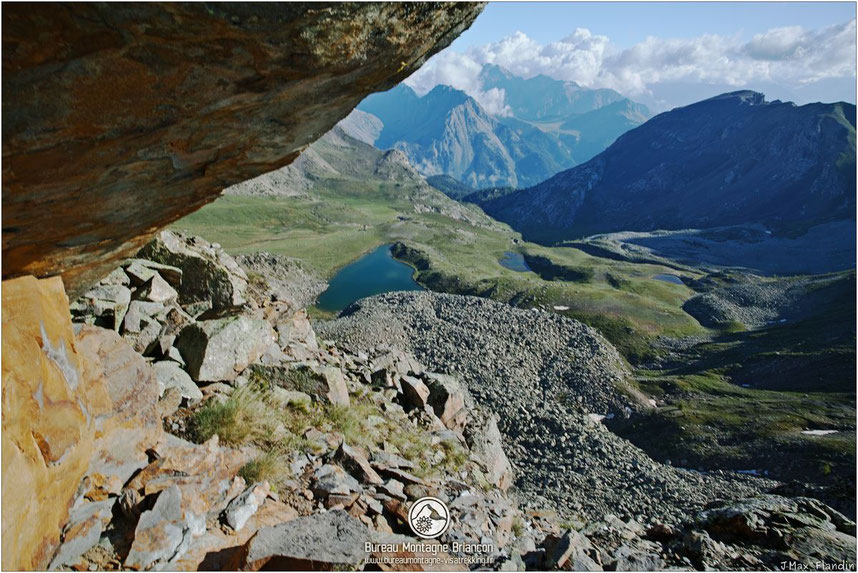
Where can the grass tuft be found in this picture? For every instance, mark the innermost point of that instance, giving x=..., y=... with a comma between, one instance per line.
x=239, y=419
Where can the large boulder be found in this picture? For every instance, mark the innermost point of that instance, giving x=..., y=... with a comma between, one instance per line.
x=220, y=349
x=104, y=305
x=808, y=530
x=122, y=118
x=171, y=375
x=447, y=398
x=324, y=541
x=79, y=413
x=486, y=444
x=208, y=273
x=163, y=533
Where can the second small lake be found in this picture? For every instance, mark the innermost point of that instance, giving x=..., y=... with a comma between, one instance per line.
x=374, y=273
x=514, y=262
x=669, y=279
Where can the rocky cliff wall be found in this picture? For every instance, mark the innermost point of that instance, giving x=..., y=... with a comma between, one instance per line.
x=119, y=119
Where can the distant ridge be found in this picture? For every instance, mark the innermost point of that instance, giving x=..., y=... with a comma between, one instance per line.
x=447, y=132
x=731, y=159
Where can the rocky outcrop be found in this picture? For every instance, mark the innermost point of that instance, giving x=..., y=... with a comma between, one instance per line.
x=221, y=349
x=281, y=277
x=123, y=118
x=77, y=429
x=47, y=431
x=328, y=541
x=152, y=500
x=314, y=450
x=207, y=274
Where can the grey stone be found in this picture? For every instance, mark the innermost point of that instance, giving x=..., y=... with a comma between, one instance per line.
x=242, y=508
x=324, y=541
x=447, y=400
x=355, y=462
x=174, y=355
x=220, y=349
x=393, y=488
x=812, y=528
x=141, y=270
x=380, y=458
x=330, y=479
x=116, y=277
x=105, y=305
x=336, y=392
x=146, y=339
x=415, y=394
x=208, y=274
x=138, y=273
x=163, y=533
x=156, y=289
x=171, y=375
x=139, y=313
x=83, y=530
x=486, y=444
x=161, y=347
x=571, y=552
x=629, y=559
x=286, y=398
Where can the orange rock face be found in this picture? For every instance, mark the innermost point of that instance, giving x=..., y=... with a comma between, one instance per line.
x=119, y=119
x=79, y=414
x=47, y=427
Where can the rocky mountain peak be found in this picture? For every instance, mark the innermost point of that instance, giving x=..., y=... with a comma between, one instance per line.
x=729, y=160
x=747, y=97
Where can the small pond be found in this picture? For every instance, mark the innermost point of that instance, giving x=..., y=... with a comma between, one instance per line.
x=514, y=262
x=669, y=279
x=374, y=273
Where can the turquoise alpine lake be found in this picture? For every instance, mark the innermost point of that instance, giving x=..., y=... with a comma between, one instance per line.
x=374, y=273
x=514, y=262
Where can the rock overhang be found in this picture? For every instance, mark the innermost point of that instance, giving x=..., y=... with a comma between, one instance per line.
x=120, y=119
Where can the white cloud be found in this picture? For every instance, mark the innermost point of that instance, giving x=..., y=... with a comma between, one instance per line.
x=783, y=56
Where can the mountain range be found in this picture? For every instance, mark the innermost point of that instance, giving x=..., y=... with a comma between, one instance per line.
x=547, y=126
x=729, y=160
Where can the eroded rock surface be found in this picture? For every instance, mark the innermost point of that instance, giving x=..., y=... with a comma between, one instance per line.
x=47, y=431
x=123, y=118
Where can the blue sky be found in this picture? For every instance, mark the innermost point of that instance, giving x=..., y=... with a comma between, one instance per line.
x=663, y=54
x=628, y=23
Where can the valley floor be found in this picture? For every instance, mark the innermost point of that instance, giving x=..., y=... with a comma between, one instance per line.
x=740, y=366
